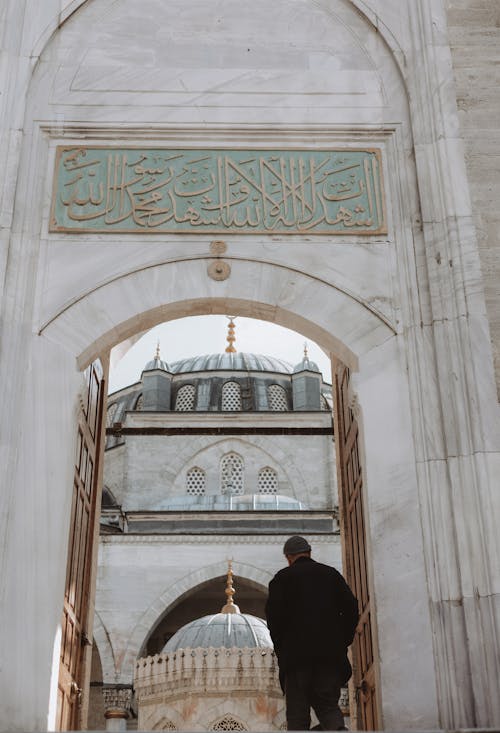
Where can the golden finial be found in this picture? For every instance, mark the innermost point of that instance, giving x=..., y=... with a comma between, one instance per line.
x=230, y=606
x=158, y=350
x=231, y=338
x=305, y=350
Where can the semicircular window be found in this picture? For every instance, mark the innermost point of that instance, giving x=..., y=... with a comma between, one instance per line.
x=267, y=481
x=231, y=474
x=231, y=397
x=165, y=724
x=228, y=723
x=276, y=398
x=195, y=481
x=184, y=402
x=140, y=403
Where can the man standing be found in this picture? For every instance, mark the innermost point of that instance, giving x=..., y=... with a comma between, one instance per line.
x=312, y=617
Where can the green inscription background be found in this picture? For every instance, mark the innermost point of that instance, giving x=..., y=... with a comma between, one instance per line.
x=104, y=189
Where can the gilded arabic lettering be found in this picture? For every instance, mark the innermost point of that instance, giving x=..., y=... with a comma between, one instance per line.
x=216, y=191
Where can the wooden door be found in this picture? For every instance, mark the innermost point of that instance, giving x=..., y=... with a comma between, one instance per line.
x=352, y=523
x=75, y=642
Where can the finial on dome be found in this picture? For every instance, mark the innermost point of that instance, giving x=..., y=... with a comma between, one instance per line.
x=230, y=606
x=157, y=355
x=305, y=350
x=231, y=338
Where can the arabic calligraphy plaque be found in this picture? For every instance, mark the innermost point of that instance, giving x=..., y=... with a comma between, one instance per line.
x=215, y=191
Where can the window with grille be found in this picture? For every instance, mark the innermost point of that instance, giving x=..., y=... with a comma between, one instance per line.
x=168, y=725
x=110, y=415
x=195, y=481
x=140, y=402
x=231, y=474
x=267, y=481
x=231, y=396
x=185, y=398
x=276, y=398
x=228, y=723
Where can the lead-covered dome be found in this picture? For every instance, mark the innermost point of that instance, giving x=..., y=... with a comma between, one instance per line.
x=237, y=361
x=221, y=630
x=306, y=365
x=230, y=628
x=156, y=362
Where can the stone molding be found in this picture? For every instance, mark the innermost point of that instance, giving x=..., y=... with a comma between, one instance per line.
x=205, y=671
x=131, y=539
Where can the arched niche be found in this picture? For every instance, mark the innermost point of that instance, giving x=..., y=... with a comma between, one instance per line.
x=168, y=599
x=205, y=599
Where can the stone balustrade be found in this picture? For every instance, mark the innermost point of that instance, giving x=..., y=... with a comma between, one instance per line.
x=207, y=670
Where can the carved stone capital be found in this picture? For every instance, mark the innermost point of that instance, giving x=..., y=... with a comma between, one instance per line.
x=117, y=701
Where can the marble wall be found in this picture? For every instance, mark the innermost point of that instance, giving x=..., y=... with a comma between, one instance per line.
x=474, y=36
x=150, y=471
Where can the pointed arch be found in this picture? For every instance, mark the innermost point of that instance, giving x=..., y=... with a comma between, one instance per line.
x=170, y=595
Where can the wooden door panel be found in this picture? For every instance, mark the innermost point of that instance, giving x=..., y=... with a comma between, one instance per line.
x=81, y=543
x=355, y=567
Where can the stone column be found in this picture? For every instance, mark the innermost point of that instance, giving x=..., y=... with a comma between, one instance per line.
x=117, y=704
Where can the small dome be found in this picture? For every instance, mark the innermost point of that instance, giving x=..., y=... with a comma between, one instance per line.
x=157, y=362
x=306, y=365
x=238, y=361
x=221, y=630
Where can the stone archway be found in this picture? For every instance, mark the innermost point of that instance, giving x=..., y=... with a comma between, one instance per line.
x=343, y=325
x=422, y=379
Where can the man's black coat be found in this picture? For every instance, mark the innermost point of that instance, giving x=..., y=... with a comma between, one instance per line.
x=312, y=615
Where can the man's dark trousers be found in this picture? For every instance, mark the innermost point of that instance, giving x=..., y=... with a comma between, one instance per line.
x=316, y=685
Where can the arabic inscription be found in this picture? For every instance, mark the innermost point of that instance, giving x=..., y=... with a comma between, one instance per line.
x=217, y=191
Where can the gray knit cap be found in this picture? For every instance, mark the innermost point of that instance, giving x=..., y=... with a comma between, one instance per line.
x=295, y=545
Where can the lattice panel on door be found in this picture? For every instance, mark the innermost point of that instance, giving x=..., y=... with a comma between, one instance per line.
x=195, y=481
x=185, y=398
x=228, y=723
x=267, y=481
x=231, y=474
x=231, y=397
x=276, y=398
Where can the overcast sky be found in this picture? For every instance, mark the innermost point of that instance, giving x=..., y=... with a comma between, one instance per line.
x=207, y=335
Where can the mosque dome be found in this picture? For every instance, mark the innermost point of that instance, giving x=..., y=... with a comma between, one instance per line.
x=236, y=361
x=230, y=628
x=306, y=364
x=221, y=630
x=156, y=363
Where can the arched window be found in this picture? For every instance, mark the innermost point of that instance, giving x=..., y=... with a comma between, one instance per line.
x=228, y=723
x=231, y=396
x=185, y=398
x=195, y=481
x=267, y=481
x=165, y=724
x=231, y=474
x=110, y=415
x=140, y=402
x=168, y=725
x=276, y=398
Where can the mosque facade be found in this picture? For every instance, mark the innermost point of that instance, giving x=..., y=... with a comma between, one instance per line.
x=210, y=459
x=330, y=166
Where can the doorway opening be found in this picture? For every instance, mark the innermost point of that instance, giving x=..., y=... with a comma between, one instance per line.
x=211, y=457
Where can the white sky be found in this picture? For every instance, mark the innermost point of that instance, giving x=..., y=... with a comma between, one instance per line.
x=197, y=335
